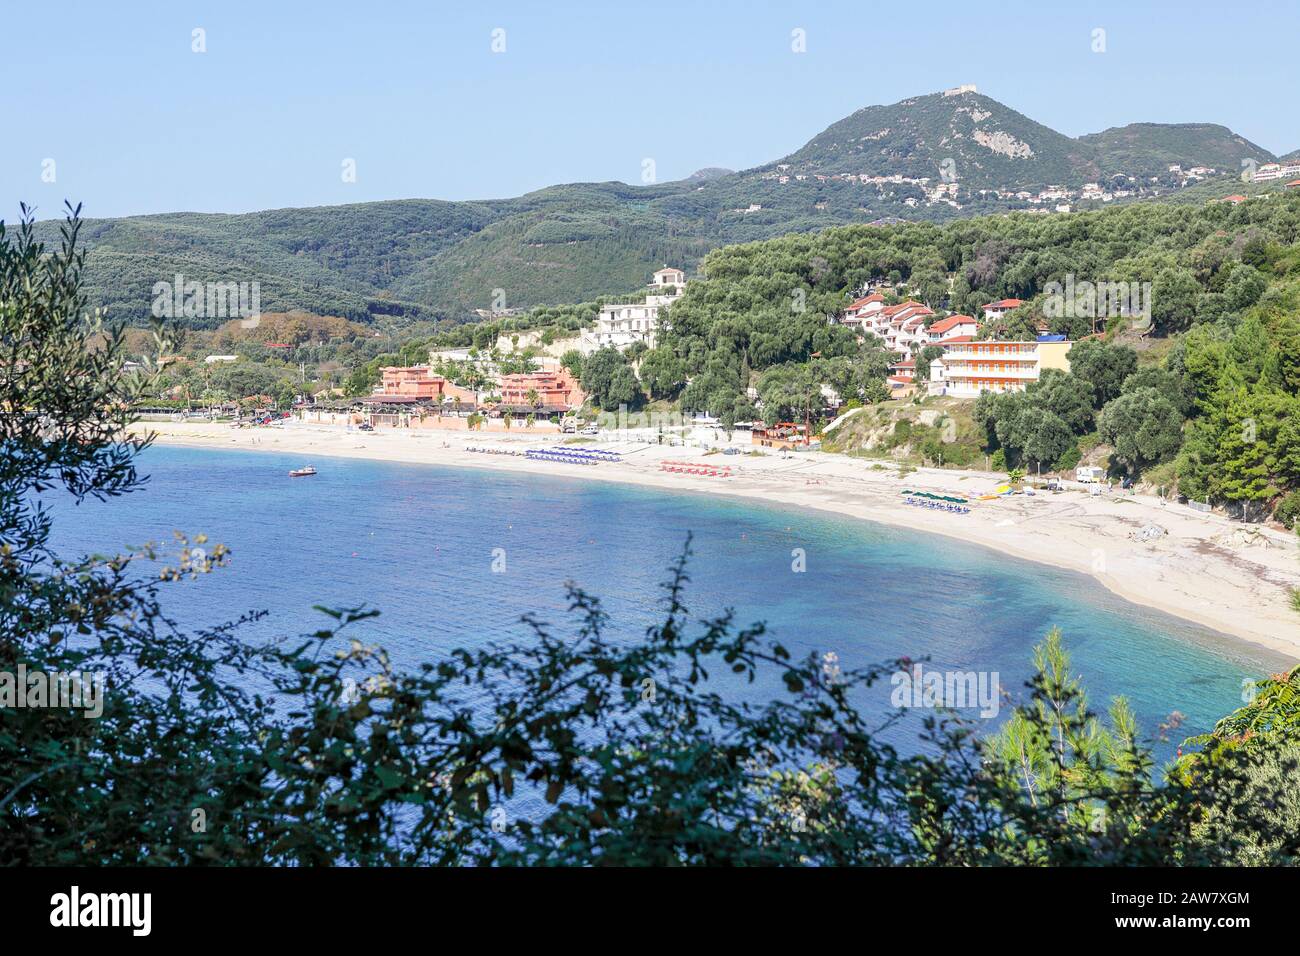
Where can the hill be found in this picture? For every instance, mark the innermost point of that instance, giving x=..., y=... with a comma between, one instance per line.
x=933, y=158
x=989, y=145
x=1149, y=149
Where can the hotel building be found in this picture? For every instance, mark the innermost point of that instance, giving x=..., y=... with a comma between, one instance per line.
x=547, y=391
x=621, y=324
x=415, y=383
x=968, y=368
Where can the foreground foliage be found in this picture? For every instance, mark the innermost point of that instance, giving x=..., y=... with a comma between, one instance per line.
x=570, y=746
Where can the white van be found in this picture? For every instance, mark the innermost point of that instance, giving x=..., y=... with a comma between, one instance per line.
x=1088, y=474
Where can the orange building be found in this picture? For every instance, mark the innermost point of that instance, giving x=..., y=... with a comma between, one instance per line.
x=418, y=382
x=990, y=365
x=555, y=389
x=412, y=381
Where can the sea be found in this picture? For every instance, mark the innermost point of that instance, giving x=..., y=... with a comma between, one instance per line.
x=454, y=557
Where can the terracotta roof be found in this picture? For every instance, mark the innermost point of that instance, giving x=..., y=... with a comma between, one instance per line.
x=957, y=339
x=1005, y=304
x=943, y=325
x=865, y=300
x=902, y=307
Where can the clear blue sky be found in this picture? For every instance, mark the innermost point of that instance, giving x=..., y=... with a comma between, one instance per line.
x=137, y=123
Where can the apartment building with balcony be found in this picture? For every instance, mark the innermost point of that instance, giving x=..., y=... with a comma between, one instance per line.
x=968, y=368
x=548, y=391
x=621, y=324
x=416, y=384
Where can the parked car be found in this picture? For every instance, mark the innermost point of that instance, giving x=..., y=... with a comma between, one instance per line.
x=366, y=427
x=589, y=430
x=1088, y=474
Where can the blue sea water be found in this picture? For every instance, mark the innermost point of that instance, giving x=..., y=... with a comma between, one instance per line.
x=419, y=544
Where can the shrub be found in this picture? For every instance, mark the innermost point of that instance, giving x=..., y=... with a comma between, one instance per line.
x=1288, y=509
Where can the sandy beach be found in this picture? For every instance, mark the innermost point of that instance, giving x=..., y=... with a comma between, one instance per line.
x=1205, y=568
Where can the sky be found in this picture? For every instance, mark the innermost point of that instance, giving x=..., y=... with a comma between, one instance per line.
x=110, y=104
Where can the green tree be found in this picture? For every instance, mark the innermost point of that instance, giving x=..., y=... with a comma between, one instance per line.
x=663, y=373
x=1066, y=396
x=1173, y=301
x=1103, y=366
x=1143, y=425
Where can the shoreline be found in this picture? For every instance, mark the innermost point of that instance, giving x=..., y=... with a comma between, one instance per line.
x=1206, y=569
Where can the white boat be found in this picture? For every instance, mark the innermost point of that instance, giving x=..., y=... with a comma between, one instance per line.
x=302, y=472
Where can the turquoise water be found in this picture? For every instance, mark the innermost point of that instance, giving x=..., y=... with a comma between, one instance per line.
x=417, y=542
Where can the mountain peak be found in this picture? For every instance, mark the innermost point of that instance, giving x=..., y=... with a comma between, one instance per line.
x=958, y=132
x=962, y=134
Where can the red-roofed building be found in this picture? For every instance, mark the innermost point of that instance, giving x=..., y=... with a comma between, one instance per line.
x=952, y=327
x=901, y=326
x=1293, y=184
x=995, y=310
x=860, y=311
x=1234, y=199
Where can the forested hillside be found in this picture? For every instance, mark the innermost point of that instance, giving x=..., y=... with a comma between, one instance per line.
x=1148, y=149
x=1207, y=400
x=426, y=259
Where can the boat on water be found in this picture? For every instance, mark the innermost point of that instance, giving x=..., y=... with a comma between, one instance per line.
x=302, y=472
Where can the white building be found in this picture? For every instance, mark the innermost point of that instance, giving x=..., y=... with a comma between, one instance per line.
x=860, y=313
x=953, y=327
x=902, y=326
x=622, y=324
x=995, y=310
x=668, y=277
x=1269, y=171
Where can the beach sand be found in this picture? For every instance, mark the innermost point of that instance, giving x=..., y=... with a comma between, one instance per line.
x=1207, y=568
